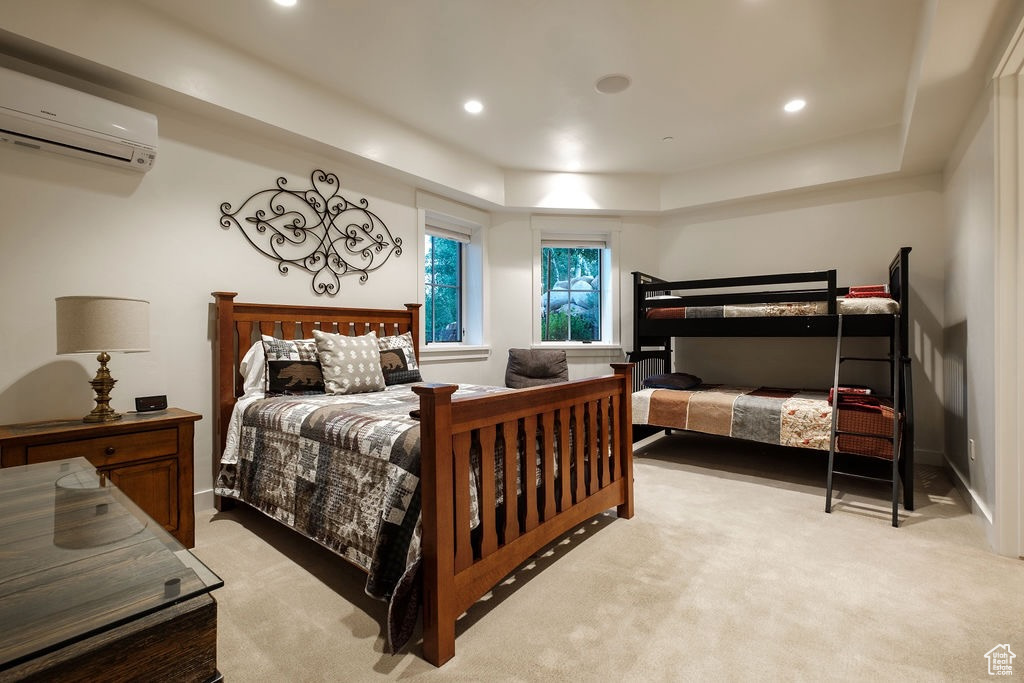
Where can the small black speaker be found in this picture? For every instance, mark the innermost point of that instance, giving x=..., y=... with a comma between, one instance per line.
x=145, y=404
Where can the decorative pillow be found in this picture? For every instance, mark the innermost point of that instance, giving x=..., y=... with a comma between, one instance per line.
x=672, y=380
x=293, y=367
x=535, y=367
x=398, y=359
x=253, y=367
x=351, y=365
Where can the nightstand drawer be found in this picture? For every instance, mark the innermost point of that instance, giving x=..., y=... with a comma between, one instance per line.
x=110, y=450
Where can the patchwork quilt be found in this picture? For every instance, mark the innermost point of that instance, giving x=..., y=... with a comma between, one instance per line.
x=342, y=470
x=785, y=417
x=846, y=306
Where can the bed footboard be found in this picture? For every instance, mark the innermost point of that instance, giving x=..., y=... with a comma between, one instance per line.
x=576, y=442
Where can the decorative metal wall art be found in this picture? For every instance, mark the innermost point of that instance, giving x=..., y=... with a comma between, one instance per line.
x=316, y=229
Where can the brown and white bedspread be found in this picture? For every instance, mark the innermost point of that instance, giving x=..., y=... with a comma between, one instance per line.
x=785, y=417
x=342, y=470
x=846, y=306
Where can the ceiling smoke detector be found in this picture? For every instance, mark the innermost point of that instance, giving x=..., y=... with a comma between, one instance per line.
x=612, y=84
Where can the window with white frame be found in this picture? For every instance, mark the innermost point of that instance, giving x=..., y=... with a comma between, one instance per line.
x=453, y=260
x=570, y=290
x=443, y=285
x=576, y=272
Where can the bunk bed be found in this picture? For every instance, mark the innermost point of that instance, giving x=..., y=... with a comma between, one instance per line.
x=810, y=304
x=410, y=461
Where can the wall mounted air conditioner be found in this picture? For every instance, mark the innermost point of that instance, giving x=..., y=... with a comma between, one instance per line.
x=42, y=115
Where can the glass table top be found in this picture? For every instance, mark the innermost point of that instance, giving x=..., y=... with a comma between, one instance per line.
x=78, y=557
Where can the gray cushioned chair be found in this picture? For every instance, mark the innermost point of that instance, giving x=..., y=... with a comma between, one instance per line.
x=534, y=367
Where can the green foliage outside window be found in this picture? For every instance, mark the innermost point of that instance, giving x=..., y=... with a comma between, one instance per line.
x=442, y=285
x=570, y=307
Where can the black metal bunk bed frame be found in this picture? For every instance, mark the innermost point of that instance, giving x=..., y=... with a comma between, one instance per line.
x=652, y=337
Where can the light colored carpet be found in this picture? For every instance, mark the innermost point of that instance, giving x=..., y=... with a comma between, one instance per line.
x=730, y=570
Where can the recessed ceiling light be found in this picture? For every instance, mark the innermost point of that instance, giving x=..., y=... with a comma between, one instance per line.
x=612, y=83
x=794, y=106
x=473, y=106
x=286, y=3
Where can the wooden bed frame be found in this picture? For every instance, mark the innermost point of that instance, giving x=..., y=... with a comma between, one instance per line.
x=456, y=569
x=652, y=337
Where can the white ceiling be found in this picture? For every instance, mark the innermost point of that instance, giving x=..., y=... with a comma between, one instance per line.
x=711, y=74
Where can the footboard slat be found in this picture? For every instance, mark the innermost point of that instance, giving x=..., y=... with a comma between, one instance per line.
x=602, y=443
x=488, y=500
x=529, y=464
x=564, y=458
x=593, y=485
x=615, y=450
x=578, y=419
x=548, y=465
x=463, y=548
x=511, y=469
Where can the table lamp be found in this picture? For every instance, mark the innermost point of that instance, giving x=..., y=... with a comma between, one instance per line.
x=100, y=324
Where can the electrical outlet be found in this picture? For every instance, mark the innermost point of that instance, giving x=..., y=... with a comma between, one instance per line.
x=970, y=449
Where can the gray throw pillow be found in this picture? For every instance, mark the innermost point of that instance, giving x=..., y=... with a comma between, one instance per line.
x=398, y=359
x=351, y=365
x=292, y=367
x=535, y=367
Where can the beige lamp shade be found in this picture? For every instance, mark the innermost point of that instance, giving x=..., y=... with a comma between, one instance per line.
x=93, y=324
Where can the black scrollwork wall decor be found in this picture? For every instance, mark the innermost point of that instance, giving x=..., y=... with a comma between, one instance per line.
x=315, y=229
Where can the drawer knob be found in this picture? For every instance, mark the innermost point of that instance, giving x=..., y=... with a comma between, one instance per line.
x=109, y=450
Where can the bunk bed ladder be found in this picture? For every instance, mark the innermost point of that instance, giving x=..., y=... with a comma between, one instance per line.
x=895, y=366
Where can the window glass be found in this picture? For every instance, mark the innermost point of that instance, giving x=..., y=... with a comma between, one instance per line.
x=570, y=306
x=442, y=284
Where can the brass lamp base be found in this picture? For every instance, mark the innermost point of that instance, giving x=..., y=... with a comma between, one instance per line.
x=102, y=383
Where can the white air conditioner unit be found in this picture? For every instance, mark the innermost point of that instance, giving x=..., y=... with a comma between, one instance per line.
x=39, y=114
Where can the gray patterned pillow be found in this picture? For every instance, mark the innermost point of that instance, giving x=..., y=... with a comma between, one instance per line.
x=398, y=359
x=292, y=367
x=351, y=365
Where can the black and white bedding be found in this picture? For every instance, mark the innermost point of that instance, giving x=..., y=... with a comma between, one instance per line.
x=340, y=469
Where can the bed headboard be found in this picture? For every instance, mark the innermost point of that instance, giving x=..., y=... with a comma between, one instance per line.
x=238, y=325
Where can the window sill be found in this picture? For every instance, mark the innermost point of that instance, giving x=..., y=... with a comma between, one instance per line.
x=581, y=350
x=439, y=353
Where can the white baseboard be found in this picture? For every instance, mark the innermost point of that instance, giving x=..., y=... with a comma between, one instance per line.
x=978, y=506
x=203, y=500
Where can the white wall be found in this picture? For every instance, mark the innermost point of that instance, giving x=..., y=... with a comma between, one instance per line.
x=511, y=260
x=970, y=311
x=856, y=230
x=75, y=227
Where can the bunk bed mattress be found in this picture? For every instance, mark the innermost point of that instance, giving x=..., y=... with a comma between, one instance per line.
x=846, y=306
x=785, y=417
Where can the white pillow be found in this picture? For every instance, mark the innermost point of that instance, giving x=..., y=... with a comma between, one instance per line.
x=254, y=369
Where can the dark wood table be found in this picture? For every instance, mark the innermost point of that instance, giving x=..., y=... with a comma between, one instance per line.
x=91, y=588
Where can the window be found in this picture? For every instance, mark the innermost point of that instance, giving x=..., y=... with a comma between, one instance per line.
x=453, y=239
x=442, y=288
x=575, y=270
x=570, y=304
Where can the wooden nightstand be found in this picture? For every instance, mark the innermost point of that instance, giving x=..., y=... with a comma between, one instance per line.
x=146, y=455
